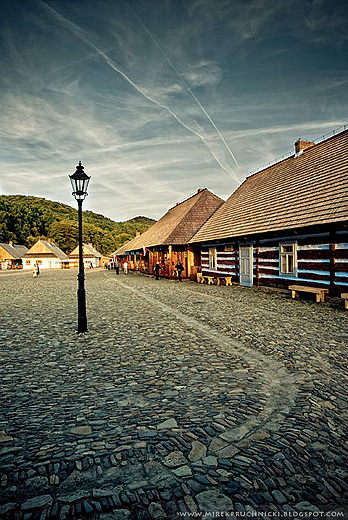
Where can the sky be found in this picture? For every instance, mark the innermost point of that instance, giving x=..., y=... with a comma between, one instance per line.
x=158, y=98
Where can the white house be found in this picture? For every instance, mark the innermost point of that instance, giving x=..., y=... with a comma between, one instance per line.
x=46, y=255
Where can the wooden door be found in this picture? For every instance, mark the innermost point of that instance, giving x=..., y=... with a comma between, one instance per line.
x=246, y=266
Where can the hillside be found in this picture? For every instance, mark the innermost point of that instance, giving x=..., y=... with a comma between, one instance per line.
x=25, y=219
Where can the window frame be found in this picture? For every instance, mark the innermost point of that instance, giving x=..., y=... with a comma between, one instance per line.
x=287, y=255
x=212, y=256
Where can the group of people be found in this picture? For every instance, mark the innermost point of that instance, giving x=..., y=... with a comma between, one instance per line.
x=117, y=267
x=36, y=270
x=178, y=270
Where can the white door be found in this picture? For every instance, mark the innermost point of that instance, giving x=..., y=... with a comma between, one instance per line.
x=246, y=266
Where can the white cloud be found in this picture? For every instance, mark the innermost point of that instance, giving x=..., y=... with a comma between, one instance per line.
x=201, y=74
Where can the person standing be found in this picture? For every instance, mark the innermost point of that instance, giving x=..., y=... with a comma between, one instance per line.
x=125, y=267
x=157, y=270
x=117, y=266
x=179, y=269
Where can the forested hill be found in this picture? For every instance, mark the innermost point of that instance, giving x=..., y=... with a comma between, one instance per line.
x=24, y=220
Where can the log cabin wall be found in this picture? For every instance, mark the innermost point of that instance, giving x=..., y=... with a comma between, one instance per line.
x=227, y=260
x=320, y=259
x=339, y=260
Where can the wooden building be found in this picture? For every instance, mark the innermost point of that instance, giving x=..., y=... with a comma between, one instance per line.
x=167, y=240
x=46, y=255
x=11, y=256
x=285, y=224
x=91, y=257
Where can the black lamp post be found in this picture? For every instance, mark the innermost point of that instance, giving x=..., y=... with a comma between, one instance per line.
x=79, y=183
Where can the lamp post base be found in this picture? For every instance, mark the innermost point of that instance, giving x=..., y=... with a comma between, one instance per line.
x=82, y=318
x=82, y=324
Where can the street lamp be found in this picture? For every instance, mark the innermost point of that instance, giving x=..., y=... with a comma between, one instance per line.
x=79, y=183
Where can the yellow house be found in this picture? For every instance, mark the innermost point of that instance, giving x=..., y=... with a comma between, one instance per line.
x=91, y=257
x=11, y=256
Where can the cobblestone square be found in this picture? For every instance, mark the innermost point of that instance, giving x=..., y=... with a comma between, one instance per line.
x=182, y=398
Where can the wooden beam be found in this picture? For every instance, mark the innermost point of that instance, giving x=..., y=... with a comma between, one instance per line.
x=190, y=261
x=170, y=266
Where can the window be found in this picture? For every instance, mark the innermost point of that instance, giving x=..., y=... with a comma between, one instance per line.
x=288, y=259
x=212, y=258
x=27, y=262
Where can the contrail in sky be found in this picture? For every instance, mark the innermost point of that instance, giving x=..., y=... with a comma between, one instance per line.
x=80, y=33
x=183, y=82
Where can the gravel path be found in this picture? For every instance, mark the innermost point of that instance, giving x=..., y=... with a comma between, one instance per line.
x=182, y=398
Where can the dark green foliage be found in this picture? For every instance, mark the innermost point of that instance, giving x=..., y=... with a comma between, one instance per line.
x=26, y=219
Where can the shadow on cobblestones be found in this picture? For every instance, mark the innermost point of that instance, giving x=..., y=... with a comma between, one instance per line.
x=181, y=398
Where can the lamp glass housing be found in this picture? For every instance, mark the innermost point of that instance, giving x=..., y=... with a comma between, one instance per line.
x=79, y=182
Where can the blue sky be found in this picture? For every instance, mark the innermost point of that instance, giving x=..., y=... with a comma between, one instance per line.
x=158, y=98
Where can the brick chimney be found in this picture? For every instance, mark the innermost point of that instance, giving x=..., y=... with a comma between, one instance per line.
x=10, y=243
x=137, y=234
x=49, y=240
x=301, y=145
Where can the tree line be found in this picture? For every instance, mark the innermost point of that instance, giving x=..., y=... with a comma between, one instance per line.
x=25, y=219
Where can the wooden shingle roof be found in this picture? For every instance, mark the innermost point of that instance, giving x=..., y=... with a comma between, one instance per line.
x=131, y=245
x=179, y=224
x=44, y=247
x=87, y=250
x=306, y=189
x=15, y=251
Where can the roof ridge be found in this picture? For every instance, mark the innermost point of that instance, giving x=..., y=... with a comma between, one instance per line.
x=170, y=232
x=288, y=155
x=198, y=192
x=306, y=190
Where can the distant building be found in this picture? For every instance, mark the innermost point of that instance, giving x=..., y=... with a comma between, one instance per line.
x=11, y=256
x=91, y=257
x=167, y=240
x=45, y=254
x=285, y=224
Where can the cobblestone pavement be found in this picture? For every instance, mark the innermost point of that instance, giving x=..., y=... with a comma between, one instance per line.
x=182, y=398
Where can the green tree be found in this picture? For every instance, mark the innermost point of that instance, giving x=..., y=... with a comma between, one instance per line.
x=25, y=219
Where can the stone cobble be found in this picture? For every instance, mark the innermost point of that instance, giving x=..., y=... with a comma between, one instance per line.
x=182, y=398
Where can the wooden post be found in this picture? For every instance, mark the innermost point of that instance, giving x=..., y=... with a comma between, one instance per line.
x=170, y=267
x=150, y=265
x=332, y=263
x=257, y=265
x=189, y=263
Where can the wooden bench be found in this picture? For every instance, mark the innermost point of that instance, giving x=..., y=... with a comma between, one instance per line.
x=318, y=291
x=344, y=296
x=208, y=279
x=228, y=280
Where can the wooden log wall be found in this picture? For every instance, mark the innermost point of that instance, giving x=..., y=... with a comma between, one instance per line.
x=322, y=261
x=227, y=262
x=316, y=262
x=341, y=263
